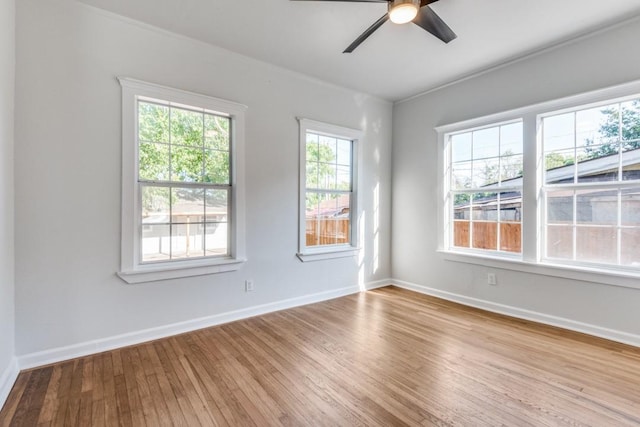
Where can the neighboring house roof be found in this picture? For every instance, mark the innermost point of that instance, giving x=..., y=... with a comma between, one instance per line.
x=588, y=170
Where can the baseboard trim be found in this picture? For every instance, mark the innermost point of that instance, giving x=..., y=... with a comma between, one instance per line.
x=561, y=322
x=7, y=380
x=33, y=360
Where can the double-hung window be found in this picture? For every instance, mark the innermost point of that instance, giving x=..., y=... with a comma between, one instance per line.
x=554, y=185
x=328, y=190
x=592, y=184
x=485, y=188
x=182, y=195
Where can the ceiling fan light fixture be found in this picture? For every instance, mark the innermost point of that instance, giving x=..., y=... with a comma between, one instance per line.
x=403, y=11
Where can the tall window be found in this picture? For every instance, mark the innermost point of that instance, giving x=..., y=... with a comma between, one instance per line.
x=592, y=184
x=184, y=179
x=179, y=150
x=485, y=188
x=555, y=184
x=328, y=185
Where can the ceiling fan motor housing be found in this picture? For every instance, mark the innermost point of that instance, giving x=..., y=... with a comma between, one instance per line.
x=403, y=11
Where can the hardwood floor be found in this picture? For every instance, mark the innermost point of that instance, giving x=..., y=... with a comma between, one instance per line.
x=386, y=357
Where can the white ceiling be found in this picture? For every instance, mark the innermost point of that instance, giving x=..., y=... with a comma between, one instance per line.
x=397, y=61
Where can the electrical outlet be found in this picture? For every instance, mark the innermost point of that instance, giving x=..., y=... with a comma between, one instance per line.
x=248, y=285
x=491, y=279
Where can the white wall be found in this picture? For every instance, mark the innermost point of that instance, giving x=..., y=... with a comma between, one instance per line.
x=7, y=68
x=68, y=176
x=602, y=60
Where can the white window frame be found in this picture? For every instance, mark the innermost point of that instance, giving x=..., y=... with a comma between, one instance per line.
x=132, y=269
x=533, y=214
x=329, y=251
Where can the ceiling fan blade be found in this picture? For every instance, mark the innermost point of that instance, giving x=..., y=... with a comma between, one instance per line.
x=431, y=22
x=367, y=33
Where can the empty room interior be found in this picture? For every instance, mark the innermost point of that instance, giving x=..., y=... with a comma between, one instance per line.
x=292, y=212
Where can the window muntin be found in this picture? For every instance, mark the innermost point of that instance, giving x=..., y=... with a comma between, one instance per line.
x=592, y=184
x=485, y=188
x=328, y=189
x=183, y=178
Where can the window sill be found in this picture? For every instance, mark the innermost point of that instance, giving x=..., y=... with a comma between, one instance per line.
x=586, y=274
x=152, y=273
x=336, y=253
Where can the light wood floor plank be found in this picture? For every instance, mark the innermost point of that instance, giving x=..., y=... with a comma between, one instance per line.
x=384, y=357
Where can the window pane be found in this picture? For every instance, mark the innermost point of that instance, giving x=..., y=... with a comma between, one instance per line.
x=462, y=206
x=461, y=175
x=187, y=205
x=187, y=240
x=328, y=149
x=485, y=235
x=153, y=122
x=155, y=205
x=186, y=164
x=511, y=139
x=313, y=151
x=630, y=242
x=486, y=143
x=312, y=217
x=216, y=238
x=597, y=207
x=511, y=168
x=485, y=207
x=560, y=207
x=598, y=126
x=631, y=207
x=216, y=167
x=631, y=122
x=327, y=175
x=461, y=234
x=461, y=147
x=560, y=241
x=598, y=163
x=156, y=242
x=343, y=178
x=560, y=167
x=216, y=205
x=511, y=207
x=312, y=176
x=344, y=152
x=216, y=132
x=596, y=244
x=511, y=237
x=153, y=162
x=559, y=132
x=631, y=161
x=485, y=172
x=484, y=225
x=187, y=127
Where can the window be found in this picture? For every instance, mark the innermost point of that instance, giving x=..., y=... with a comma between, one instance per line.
x=182, y=196
x=486, y=188
x=592, y=184
x=555, y=185
x=328, y=190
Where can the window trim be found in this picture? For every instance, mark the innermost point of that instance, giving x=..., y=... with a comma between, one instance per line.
x=329, y=251
x=532, y=191
x=132, y=270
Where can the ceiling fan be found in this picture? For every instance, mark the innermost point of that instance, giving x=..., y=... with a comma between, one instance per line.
x=402, y=12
